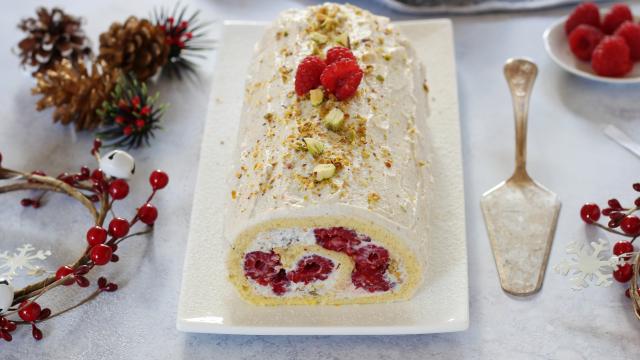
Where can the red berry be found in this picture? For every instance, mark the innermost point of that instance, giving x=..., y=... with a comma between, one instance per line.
x=118, y=227
x=370, y=281
x=618, y=14
x=262, y=266
x=148, y=214
x=158, y=179
x=636, y=187
x=311, y=268
x=371, y=258
x=64, y=271
x=583, y=40
x=97, y=143
x=342, y=78
x=135, y=101
x=336, y=53
x=337, y=239
x=140, y=123
x=630, y=225
x=119, y=189
x=623, y=273
x=101, y=254
x=280, y=282
x=26, y=202
x=612, y=57
x=145, y=111
x=35, y=332
x=631, y=34
x=627, y=293
x=615, y=204
x=622, y=247
x=85, y=172
x=590, y=213
x=127, y=130
x=29, y=312
x=587, y=13
x=97, y=175
x=308, y=74
x=96, y=235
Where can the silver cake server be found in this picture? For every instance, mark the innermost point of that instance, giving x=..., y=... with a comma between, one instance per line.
x=519, y=213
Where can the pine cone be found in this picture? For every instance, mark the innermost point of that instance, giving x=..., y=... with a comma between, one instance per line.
x=137, y=46
x=51, y=37
x=75, y=93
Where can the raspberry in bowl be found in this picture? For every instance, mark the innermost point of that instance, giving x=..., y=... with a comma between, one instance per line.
x=597, y=44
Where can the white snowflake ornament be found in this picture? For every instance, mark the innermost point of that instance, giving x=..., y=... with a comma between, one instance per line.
x=6, y=295
x=22, y=259
x=118, y=164
x=588, y=264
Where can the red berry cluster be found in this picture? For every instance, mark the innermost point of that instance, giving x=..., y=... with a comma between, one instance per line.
x=6, y=328
x=31, y=312
x=176, y=35
x=339, y=74
x=266, y=269
x=620, y=217
x=371, y=261
x=132, y=115
x=311, y=268
x=611, y=44
x=102, y=243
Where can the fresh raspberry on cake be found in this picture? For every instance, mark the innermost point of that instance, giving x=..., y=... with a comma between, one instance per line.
x=618, y=14
x=586, y=13
x=280, y=282
x=583, y=40
x=308, y=74
x=372, y=258
x=370, y=281
x=337, y=239
x=612, y=57
x=631, y=34
x=311, y=268
x=337, y=53
x=342, y=78
x=261, y=266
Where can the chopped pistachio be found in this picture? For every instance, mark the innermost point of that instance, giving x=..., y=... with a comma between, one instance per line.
x=387, y=57
x=314, y=147
x=324, y=171
x=373, y=198
x=380, y=78
x=343, y=39
x=318, y=37
x=234, y=194
x=334, y=119
x=351, y=135
x=317, y=95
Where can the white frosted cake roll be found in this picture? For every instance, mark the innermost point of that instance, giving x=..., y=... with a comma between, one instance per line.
x=327, y=200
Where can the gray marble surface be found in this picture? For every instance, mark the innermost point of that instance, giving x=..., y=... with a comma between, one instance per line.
x=567, y=152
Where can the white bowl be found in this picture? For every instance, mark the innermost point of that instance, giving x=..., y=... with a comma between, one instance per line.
x=557, y=45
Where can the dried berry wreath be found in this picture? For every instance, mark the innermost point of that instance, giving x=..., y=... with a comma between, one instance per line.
x=626, y=219
x=97, y=191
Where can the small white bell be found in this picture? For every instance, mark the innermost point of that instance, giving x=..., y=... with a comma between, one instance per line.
x=6, y=295
x=118, y=164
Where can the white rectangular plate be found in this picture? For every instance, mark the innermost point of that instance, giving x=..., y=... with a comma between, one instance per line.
x=209, y=302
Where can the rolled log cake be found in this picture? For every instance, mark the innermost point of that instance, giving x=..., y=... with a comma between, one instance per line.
x=327, y=200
